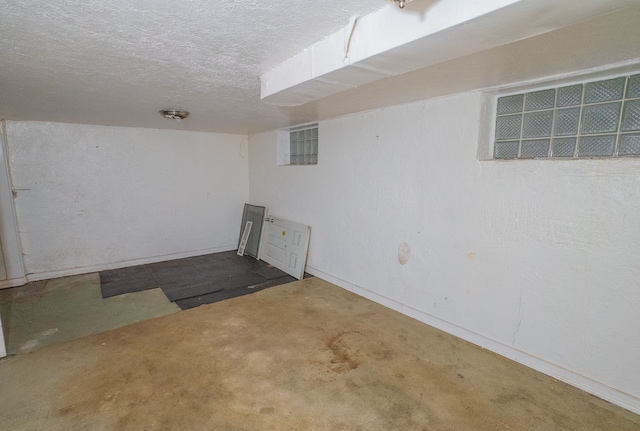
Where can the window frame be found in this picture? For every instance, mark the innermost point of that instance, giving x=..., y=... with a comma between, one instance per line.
x=489, y=115
x=285, y=157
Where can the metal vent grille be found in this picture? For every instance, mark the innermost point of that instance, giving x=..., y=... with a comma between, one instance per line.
x=583, y=120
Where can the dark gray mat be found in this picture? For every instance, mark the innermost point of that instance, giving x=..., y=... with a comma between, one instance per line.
x=268, y=272
x=126, y=280
x=226, y=267
x=210, y=298
x=196, y=280
x=172, y=270
x=211, y=259
x=203, y=285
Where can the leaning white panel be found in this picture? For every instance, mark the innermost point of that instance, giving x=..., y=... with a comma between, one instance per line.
x=285, y=245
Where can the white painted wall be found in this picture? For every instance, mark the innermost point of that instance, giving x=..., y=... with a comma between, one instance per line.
x=95, y=197
x=536, y=260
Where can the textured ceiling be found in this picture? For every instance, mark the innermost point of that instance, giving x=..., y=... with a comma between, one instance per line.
x=117, y=62
x=120, y=61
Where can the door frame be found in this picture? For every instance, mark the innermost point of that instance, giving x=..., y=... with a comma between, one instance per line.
x=9, y=233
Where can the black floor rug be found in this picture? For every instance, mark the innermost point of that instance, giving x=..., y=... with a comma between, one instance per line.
x=196, y=280
x=223, y=294
x=126, y=280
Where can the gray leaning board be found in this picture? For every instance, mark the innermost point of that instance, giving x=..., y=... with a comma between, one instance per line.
x=254, y=214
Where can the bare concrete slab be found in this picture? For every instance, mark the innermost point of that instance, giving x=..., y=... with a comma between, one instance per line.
x=300, y=356
x=44, y=313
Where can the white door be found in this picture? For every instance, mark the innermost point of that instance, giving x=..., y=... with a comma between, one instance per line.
x=285, y=245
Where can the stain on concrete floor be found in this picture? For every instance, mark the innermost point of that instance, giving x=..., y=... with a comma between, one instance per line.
x=302, y=356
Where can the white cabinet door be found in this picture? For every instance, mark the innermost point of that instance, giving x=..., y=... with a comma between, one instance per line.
x=285, y=245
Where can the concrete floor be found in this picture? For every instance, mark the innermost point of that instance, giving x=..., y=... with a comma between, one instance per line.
x=44, y=313
x=301, y=356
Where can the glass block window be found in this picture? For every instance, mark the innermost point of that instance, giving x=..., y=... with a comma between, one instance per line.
x=303, y=146
x=582, y=120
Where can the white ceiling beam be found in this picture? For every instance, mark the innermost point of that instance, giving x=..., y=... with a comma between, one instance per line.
x=391, y=42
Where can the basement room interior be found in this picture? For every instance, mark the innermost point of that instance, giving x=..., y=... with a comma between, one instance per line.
x=362, y=215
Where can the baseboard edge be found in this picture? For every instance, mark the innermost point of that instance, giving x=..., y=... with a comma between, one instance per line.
x=572, y=378
x=5, y=284
x=123, y=264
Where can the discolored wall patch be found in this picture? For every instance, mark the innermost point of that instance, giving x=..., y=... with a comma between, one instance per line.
x=404, y=252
